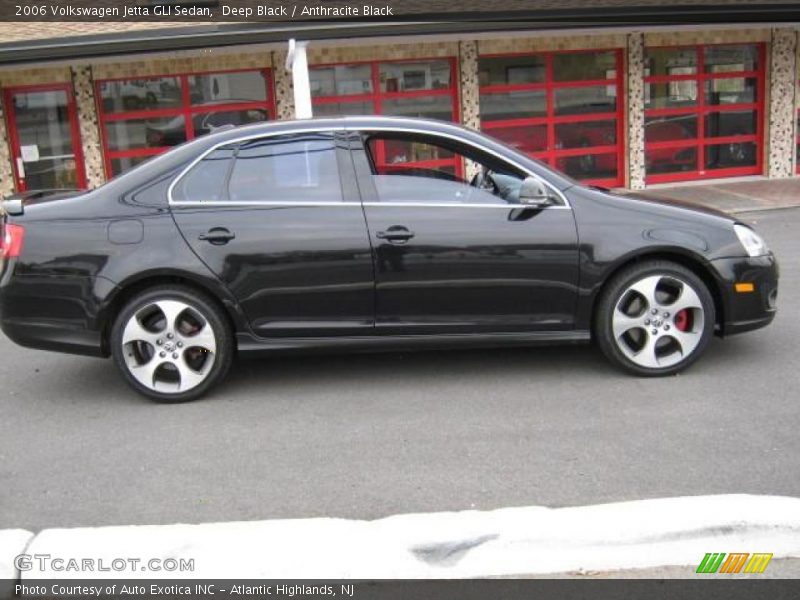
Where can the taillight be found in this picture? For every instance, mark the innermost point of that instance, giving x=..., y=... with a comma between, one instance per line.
x=11, y=244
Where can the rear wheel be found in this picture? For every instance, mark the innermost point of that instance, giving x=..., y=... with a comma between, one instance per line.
x=172, y=343
x=654, y=318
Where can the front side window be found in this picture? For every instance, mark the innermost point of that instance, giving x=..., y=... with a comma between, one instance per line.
x=415, y=168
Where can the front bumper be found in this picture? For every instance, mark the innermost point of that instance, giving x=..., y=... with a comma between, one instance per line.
x=745, y=311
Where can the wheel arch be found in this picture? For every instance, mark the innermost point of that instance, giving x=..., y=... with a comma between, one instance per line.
x=133, y=286
x=691, y=261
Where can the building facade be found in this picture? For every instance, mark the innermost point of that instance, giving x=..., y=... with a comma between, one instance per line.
x=613, y=107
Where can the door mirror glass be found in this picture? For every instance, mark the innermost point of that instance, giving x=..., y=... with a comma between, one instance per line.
x=534, y=193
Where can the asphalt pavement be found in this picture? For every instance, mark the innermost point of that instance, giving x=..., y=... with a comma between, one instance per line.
x=366, y=436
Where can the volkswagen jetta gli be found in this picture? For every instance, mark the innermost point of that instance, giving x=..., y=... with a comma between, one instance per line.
x=367, y=233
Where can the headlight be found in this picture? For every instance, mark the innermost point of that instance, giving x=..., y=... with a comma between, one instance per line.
x=753, y=244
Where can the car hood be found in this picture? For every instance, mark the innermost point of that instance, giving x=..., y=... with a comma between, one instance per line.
x=657, y=200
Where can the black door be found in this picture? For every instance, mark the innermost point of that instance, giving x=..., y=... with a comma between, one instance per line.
x=458, y=256
x=278, y=222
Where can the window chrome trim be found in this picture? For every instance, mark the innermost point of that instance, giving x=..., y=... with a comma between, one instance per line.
x=350, y=128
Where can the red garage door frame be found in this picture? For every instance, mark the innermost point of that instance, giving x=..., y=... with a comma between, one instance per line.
x=701, y=143
x=553, y=155
x=186, y=109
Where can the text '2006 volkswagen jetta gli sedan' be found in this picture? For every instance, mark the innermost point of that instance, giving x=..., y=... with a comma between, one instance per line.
x=367, y=233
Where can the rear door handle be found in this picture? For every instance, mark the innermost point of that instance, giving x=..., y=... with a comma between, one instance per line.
x=395, y=233
x=217, y=236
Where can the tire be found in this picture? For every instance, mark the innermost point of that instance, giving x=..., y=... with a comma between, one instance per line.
x=684, y=319
x=179, y=368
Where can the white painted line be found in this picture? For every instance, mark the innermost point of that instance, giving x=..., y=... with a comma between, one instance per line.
x=510, y=541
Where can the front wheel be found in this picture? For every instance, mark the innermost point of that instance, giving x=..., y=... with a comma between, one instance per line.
x=171, y=343
x=654, y=318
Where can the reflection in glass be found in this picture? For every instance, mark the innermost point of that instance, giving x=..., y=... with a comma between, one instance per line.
x=431, y=107
x=511, y=70
x=343, y=109
x=341, y=80
x=671, y=61
x=670, y=160
x=45, y=136
x=513, y=105
x=589, y=166
x=586, y=134
x=730, y=59
x=120, y=165
x=140, y=94
x=725, y=123
x=145, y=133
x=671, y=94
x=415, y=76
x=209, y=122
x=670, y=129
x=525, y=138
x=737, y=90
x=577, y=66
x=582, y=100
x=733, y=154
x=217, y=88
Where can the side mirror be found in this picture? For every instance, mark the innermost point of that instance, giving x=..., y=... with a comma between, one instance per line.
x=534, y=193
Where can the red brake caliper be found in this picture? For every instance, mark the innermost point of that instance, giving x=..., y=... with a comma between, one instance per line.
x=683, y=320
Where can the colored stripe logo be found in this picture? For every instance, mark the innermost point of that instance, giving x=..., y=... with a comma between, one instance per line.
x=714, y=562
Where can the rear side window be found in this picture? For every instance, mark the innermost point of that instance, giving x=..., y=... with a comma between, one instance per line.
x=293, y=168
x=205, y=182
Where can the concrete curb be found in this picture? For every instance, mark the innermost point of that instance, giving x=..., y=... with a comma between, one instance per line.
x=510, y=541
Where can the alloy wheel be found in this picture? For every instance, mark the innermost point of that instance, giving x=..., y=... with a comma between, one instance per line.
x=169, y=346
x=658, y=321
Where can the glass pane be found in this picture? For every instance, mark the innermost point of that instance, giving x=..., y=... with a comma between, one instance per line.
x=584, y=65
x=209, y=122
x=336, y=109
x=731, y=123
x=120, y=165
x=671, y=61
x=386, y=153
x=217, y=88
x=589, y=166
x=341, y=80
x=204, y=182
x=730, y=59
x=432, y=107
x=287, y=169
x=670, y=129
x=42, y=120
x=513, y=105
x=736, y=154
x=738, y=90
x=145, y=133
x=140, y=94
x=511, y=70
x=525, y=138
x=586, y=135
x=413, y=76
x=670, y=160
x=670, y=94
x=45, y=138
x=583, y=100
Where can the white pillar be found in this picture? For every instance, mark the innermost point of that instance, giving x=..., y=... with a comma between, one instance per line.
x=297, y=63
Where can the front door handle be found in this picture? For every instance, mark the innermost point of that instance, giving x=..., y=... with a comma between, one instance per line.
x=395, y=233
x=217, y=236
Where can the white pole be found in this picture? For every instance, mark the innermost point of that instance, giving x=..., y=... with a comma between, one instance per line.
x=297, y=63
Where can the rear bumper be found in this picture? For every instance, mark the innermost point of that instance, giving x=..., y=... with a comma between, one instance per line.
x=55, y=338
x=746, y=311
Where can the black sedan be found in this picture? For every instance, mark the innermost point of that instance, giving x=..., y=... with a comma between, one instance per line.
x=367, y=234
